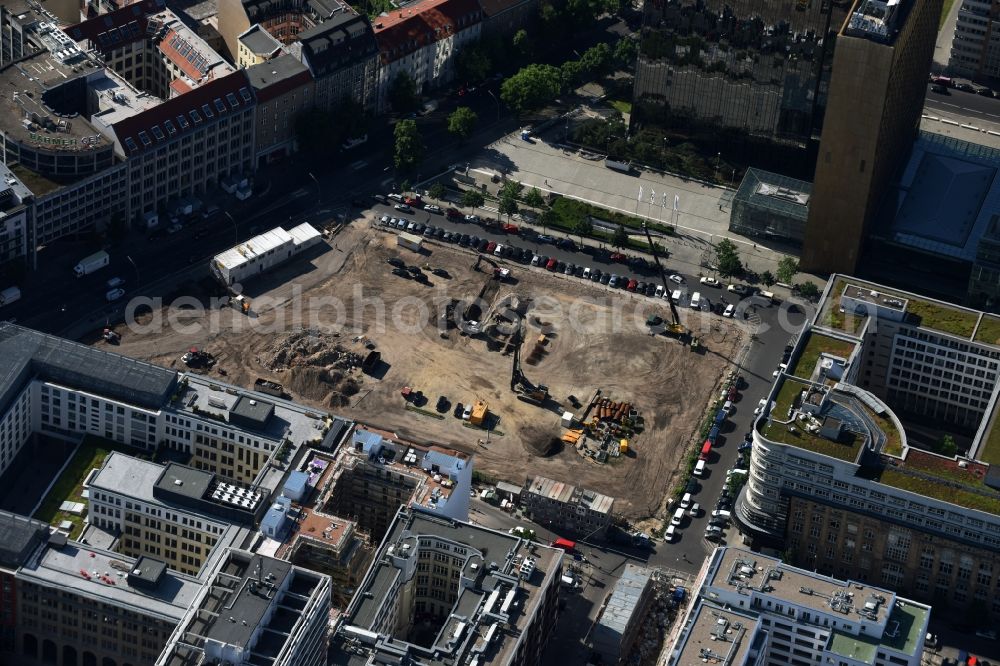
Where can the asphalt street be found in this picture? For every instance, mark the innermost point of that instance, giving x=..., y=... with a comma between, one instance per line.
x=964, y=104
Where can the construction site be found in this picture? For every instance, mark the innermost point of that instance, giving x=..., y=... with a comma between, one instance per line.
x=532, y=373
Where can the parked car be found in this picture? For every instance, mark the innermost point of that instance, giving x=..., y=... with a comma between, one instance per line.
x=114, y=295
x=432, y=208
x=596, y=274
x=729, y=311
x=679, y=279
x=472, y=218
x=453, y=214
x=570, y=269
x=710, y=282
x=396, y=261
x=613, y=282
x=403, y=208
x=413, y=201
x=631, y=285
x=543, y=238
x=738, y=289
x=115, y=282
x=606, y=278
x=551, y=265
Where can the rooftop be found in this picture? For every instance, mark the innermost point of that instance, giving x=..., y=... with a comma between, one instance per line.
x=804, y=432
x=563, y=492
x=716, y=635
x=103, y=576
x=252, y=248
x=941, y=478
x=772, y=191
x=11, y=183
x=19, y=536
x=819, y=344
x=259, y=41
x=878, y=20
x=622, y=606
x=338, y=41
x=278, y=76
x=407, y=29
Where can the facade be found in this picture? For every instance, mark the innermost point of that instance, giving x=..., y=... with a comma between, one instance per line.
x=563, y=507
x=343, y=57
x=506, y=17
x=753, y=609
x=262, y=253
x=255, y=46
x=487, y=597
x=137, y=501
x=975, y=52
x=880, y=67
x=769, y=205
x=253, y=610
x=16, y=218
x=20, y=537
x=760, y=68
x=283, y=88
x=834, y=480
x=79, y=604
x=377, y=473
x=421, y=40
x=283, y=20
x=623, y=615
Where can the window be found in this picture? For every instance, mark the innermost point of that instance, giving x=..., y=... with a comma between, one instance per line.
x=158, y=133
x=146, y=141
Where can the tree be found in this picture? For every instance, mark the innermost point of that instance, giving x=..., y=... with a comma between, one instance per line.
x=508, y=205
x=787, y=268
x=727, y=258
x=625, y=52
x=473, y=199
x=947, y=446
x=403, y=93
x=809, y=290
x=767, y=278
x=461, y=121
x=473, y=64
x=571, y=73
x=533, y=86
x=436, y=191
x=511, y=188
x=522, y=44
x=547, y=217
x=409, y=145
x=583, y=227
x=534, y=198
x=620, y=237
x=404, y=187
x=596, y=59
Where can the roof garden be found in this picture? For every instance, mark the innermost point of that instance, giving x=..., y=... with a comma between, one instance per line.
x=846, y=448
x=908, y=620
x=34, y=181
x=893, y=438
x=989, y=450
x=944, y=318
x=830, y=316
x=857, y=647
x=816, y=345
x=988, y=331
x=942, y=478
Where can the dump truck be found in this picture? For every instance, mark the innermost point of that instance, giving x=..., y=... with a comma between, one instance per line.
x=267, y=386
x=93, y=263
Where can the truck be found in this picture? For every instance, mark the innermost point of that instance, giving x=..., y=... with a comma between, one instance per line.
x=9, y=295
x=267, y=386
x=93, y=263
x=621, y=167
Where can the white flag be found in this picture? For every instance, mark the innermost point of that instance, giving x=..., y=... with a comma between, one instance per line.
x=664, y=203
x=640, y=193
x=677, y=201
x=652, y=196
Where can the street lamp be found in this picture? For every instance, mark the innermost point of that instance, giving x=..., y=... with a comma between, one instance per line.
x=236, y=229
x=136, y=270
x=490, y=93
x=319, y=192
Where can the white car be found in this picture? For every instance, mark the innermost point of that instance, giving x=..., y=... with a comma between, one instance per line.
x=472, y=218
x=781, y=368
x=760, y=406
x=467, y=414
x=115, y=282
x=695, y=510
x=431, y=208
x=385, y=219
x=730, y=311
x=679, y=279
x=114, y=295
x=710, y=282
x=739, y=289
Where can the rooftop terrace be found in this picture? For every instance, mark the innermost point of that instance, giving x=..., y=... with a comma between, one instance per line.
x=779, y=428
x=816, y=345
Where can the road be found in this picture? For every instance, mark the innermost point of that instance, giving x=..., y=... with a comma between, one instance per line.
x=963, y=104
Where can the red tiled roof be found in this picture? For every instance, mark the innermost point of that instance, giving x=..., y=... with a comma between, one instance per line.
x=184, y=113
x=406, y=30
x=180, y=86
x=122, y=26
x=186, y=65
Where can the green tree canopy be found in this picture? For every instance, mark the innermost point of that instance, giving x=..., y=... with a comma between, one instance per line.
x=511, y=188
x=403, y=93
x=534, y=198
x=473, y=63
x=625, y=52
x=787, y=268
x=767, y=277
x=508, y=205
x=532, y=87
x=409, y=145
x=809, y=290
x=436, y=191
x=583, y=227
x=473, y=199
x=596, y=59
x=620, y=237
x=461, y=122
x=727, y=258
x=522, y=43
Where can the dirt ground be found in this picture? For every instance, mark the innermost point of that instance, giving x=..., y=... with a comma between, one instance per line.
x=311, y=324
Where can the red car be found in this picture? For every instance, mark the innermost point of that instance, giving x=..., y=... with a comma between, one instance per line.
x=509, y=228
x=551, y=266
x=617, y=256
x=413, y=201
x=489, y=248
x=631, y=285
x=453, y=214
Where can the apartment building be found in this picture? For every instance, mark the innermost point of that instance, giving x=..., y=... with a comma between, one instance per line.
x=20, y=537
x=378, y=472
x=343, y=57
x=835, y=480
x=623, y=615
x=253, y=610
x=255, y=46
x=16, y=217
x=566, y=508
x=482, y=597
x=975, y=48
x=421, y=40
x=174, y=513
x=84, y=605
x=284, y=88
x=284, y=20
x=754, y=609
x=877, y=88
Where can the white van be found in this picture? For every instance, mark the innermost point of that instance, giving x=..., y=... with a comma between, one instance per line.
x=699, y=468
x=696, y=300
x=769, y=295
x=720, y=513
x=659, y=291
x=676, y=296
x=686, y=501
x=677, y=517
x=669, y=535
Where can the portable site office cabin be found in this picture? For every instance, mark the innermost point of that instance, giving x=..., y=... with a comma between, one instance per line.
x=409, y=241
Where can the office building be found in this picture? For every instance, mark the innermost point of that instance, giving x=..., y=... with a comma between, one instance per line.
x=754, y=609
x=20, y=537
x=849, y=474
x=563, y=507
x=482, y=597
x=343, y=57
x=377, y=473
x=421, y=40
x=84, y=605
x=755, y=68
x=880, y=68
x=253, y=610
x=974, y=52
x=16, y=213
x=624, y=613
x=174, y=513
x=771, y=206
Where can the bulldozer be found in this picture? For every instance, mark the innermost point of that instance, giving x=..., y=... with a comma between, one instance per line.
x=674, y=326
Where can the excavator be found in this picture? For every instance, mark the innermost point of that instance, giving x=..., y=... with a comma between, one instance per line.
x=674, y=327
x=519, y=384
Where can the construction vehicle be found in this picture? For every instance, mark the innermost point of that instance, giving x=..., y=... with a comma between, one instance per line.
x=196, y=358
x=267, y=386
x=674, y=327
x=519, y=384
x=111, y=336
x=241, y=303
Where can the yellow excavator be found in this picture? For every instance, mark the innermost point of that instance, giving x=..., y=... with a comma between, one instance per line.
x=674, y=327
